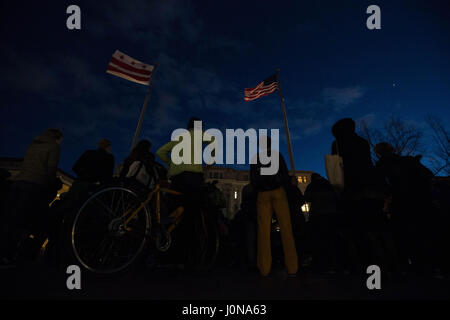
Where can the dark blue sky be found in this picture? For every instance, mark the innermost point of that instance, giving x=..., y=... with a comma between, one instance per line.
x=331, y=66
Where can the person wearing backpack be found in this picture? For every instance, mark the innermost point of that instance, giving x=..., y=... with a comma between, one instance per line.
x=141, y=165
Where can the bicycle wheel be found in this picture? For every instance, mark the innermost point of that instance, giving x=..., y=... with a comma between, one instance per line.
x=100, y=242
x=205, y=246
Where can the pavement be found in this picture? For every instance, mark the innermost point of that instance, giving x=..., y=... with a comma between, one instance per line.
x=40, y=281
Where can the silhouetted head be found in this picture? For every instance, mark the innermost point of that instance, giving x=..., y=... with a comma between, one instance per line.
x=383, y=149
x=104, y=144
x=343, y=127
x=190, y=124
x=315, y=176
x=142, y=147
x=140, y=152
x=54, y=134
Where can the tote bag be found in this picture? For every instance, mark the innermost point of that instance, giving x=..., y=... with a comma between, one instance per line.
x=334, y=166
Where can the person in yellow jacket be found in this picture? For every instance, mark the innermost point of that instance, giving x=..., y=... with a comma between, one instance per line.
x=272, y=198
x=187, y=178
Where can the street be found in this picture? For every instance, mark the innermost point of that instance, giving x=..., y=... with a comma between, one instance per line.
x=43, y=282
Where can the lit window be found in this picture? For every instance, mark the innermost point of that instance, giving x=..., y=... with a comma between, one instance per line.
x=305, y=207
x=299, y=179
x=235, y=194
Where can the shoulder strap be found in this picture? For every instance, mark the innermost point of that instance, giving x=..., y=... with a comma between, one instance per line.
x=138, y=169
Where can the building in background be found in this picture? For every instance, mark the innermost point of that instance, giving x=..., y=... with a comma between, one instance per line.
x=231, y=182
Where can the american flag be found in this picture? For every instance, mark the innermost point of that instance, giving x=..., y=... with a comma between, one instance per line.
x=128, y=68
x=265, y=88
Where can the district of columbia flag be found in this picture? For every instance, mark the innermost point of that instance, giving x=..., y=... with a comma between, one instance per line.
x=128, y=68
x=265, y=88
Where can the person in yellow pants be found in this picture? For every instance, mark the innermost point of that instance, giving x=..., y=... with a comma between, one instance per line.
x=272, y=198
x=267, y=203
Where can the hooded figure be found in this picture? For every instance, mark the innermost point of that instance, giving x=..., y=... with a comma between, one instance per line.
x=41, y=159
x=27, y=207
x=355, y=153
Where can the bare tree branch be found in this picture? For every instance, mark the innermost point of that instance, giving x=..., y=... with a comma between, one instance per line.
x=441, y=151
x=406, y=139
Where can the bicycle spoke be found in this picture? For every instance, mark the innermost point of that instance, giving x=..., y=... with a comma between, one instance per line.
x=123, y=203
x=104, y=206
x=112, y=200
x=117, y=207
x=108, y=253
x=97, y=249
x=94, y=245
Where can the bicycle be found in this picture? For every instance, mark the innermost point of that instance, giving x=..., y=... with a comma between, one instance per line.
x=113, y=226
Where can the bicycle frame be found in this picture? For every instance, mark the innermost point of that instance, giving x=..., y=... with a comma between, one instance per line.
x=156, y=191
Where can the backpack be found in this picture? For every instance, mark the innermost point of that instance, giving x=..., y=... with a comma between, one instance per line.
x=144, y=175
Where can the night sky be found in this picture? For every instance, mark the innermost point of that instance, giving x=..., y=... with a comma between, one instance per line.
x=331, y=66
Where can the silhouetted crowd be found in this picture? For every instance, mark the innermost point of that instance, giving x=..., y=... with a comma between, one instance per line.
x=393, y=213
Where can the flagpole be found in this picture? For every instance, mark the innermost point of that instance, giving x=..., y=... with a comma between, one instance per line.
x=288, y=136
x=144, y=107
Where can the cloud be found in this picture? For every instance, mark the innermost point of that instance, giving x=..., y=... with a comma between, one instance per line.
x=368, y=119
x=80, y=129
x=342, y=97
x=308, y=127
x=27, y=73
x=46, y=75
x=136, y=20
x=308, y=118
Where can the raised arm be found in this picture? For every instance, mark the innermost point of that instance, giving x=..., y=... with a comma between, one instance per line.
x=164, y=152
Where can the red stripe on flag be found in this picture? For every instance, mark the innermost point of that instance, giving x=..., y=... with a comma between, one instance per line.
x=259, y=94
x=260, y=91
x=251, y=89
x=257, y=91
x=143, y=78
x=130, y=68
x=256, y=97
